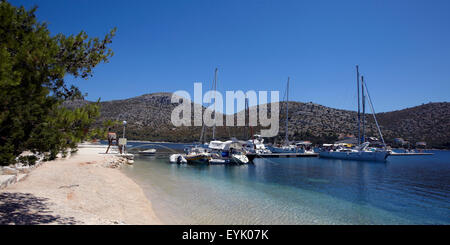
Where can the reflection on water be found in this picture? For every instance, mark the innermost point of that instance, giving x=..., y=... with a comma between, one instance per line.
x=405, y=190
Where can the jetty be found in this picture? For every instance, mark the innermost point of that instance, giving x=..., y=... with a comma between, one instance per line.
x=411, y=154
x=252, y=156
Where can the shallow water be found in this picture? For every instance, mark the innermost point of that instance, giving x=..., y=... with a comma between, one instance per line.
x=405, y=190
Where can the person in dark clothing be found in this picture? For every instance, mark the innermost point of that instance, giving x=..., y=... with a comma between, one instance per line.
x=112, y=139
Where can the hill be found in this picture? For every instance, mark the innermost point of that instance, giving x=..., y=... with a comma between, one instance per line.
x=148, y=118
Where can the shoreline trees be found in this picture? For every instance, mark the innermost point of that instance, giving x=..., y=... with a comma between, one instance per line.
x=34, y=66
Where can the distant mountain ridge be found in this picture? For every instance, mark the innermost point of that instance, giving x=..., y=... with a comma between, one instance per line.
x=148, y=118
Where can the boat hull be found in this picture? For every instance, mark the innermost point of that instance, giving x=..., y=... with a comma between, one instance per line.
x=251, y=156
x=147, y=153
x=197, y=159
x=239, y=159
x=378, y=156
x=284, y=150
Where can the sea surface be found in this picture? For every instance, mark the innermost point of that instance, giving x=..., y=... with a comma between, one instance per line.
x=404, y=190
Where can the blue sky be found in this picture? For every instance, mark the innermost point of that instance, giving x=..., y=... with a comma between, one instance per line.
x=402, y=47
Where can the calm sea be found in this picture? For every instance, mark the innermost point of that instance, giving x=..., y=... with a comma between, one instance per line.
x=404, y=190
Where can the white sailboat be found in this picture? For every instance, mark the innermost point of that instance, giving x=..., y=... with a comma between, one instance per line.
x=362, y=152
x=286, y=148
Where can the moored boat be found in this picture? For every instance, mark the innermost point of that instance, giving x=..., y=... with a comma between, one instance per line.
x=361, y=152
x=231, y=151
x=358, y=154
x=239, y=158
x=197, y=155
x=177, y=158
x=147, y=152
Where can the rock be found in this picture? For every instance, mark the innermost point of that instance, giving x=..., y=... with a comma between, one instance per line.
x=24, y=169
x=6, y=180
x=9, y=170
x=21, y=177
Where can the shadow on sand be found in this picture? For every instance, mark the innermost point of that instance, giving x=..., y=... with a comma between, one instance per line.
x=27, y=209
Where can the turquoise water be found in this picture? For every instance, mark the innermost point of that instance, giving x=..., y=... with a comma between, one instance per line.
x=405, y=190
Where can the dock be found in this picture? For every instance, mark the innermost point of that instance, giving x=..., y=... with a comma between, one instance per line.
x=281, y=155
x=411, y=154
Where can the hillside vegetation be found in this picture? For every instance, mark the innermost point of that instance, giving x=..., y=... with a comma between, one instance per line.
x=148, y=118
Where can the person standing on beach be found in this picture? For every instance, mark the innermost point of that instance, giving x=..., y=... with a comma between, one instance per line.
x=111, y=138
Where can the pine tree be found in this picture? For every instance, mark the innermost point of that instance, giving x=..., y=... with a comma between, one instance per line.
x=34, y=66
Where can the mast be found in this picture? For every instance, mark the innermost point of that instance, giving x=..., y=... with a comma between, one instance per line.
x=202, y=139
x=374, y=117
x=247, y=116
x=359, y=113
x=287, y=112
x=363, y=111
x=253, y=138
x=215, y=98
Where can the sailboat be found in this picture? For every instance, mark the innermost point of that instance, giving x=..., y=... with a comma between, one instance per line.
x=286, y=148
x=361, y=152
x=214, y=152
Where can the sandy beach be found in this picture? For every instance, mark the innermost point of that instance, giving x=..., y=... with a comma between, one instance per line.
x=77, y=190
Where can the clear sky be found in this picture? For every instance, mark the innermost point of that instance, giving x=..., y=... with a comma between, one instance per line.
x=401, y=46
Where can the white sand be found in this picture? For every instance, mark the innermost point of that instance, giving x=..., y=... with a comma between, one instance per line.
x=78, y=190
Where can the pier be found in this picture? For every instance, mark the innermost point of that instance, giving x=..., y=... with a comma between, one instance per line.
x=411, y=154
x=252, y=156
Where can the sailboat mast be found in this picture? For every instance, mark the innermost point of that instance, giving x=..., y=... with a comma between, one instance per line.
x=359, y=113
x=202, y=139
x=247, y=116
x=374, y=117
x=287, y=112
x=215, y=87
x=363, y=111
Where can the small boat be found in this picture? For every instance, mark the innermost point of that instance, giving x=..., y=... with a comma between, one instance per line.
x=256, y=145
x=197, y=155
x=147, y=152
x=239, y=158
x=306, y=147
x=231, y=151
x=177, y=158
x=299, y=147
x=197, y=158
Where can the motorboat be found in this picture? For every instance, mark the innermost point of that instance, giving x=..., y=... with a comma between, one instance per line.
x=239, y=158
x=197, y=155
x=305, y=146
x=256, y=145
x=177, y=158
x=147, y=152
x=231, y=151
